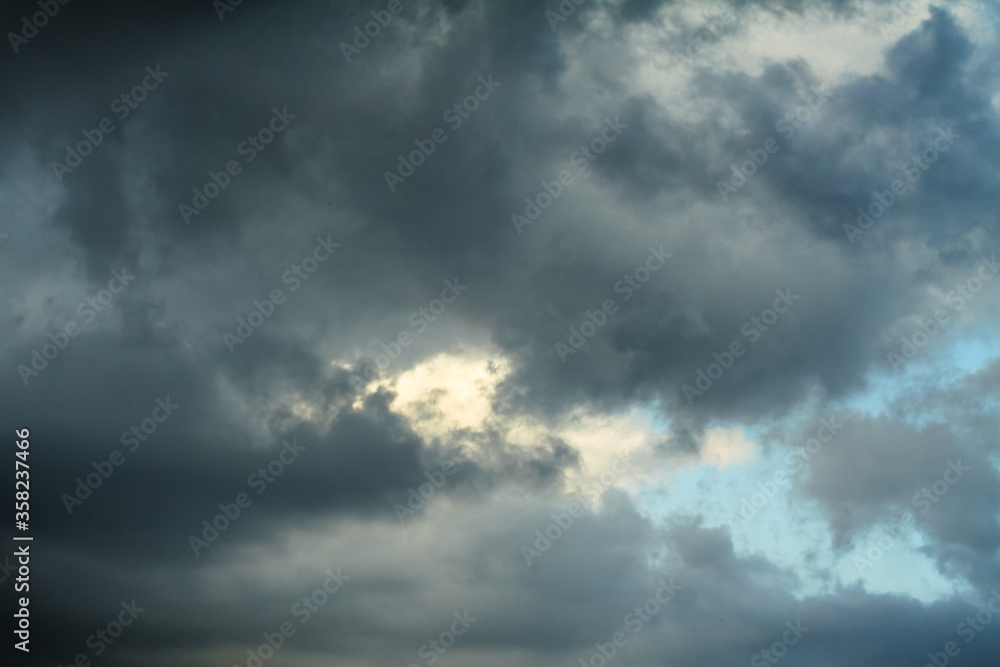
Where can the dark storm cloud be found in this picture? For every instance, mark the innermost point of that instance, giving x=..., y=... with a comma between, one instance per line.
x=142, y=516
x=205, y=453
x=192, y=126
x=827, y=173
x=586, y=588
x=820, y=186
x=324, y=177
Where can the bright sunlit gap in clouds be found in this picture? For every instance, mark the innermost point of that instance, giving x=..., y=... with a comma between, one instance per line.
x=452, y=394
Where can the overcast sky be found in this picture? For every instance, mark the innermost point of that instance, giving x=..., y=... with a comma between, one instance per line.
x=455, y=332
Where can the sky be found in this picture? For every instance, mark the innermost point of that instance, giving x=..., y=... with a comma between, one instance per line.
x=456, y=332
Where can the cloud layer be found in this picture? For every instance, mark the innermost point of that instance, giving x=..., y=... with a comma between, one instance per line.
x=364, y=319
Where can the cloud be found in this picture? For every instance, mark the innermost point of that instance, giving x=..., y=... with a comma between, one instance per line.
x=481, y=382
